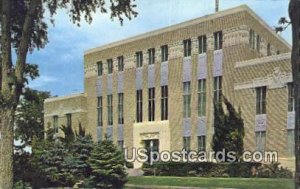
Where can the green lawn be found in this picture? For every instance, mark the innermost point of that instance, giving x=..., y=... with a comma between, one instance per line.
x=239, y=183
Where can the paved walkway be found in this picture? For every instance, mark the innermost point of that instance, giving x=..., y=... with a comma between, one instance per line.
x=132, y=186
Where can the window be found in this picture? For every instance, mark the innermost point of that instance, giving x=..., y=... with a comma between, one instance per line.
x=121, y=108
x=100, y=68
x=252, y=39
x=121, y=144
x=139, y=106
x=187, y=45
x=151, y=53
x=291, y=99
x=278, y=52
x=187, y=143
x=201, y=143
x=269, y=50
x=110, y=109
x=55, y=123
x=110, y=66
x=218, y=40
x=258, y=43
x=217, y=89
x=121, y=63
x=69, y=120
x=164, y=53
x=100, y=111
x=261, y=100
x=291, y=142
x=201, y=97
x=151, y=104
x=186, y=99
x=139, y=59
x=164, y=102
x=260, y=140
x=202, y=44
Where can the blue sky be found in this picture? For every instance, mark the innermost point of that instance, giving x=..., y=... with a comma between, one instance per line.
x=61, y=61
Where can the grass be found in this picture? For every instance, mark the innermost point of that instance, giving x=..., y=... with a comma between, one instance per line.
x=238, y=183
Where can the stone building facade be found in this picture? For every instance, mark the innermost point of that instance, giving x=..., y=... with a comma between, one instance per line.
x=157, y=89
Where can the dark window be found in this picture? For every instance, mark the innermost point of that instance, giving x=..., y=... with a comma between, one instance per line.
x=258, y=43
x=269, y=50
x=110, y=66
x=218, y=40
x=110, y=109
x=164, y=53
x=139, y=106
x=291, y=99
x=201, y=97
x=187, y=46
x=187, y=99
x=201, y=143
x=187, y=143
x=120, y=63
x=139, y=59
x=202, y=40
x=69, y=120
x=252, y=39
x=121, y=108
x=260, y=137
x=217, y=89
x=100, y=68
x=164, y=102
x=100, y=111
x=55, y=123
x=151, y=104
x=261, y=100
x=151, y=53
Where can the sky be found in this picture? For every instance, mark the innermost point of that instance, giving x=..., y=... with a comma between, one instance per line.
x=61, y=61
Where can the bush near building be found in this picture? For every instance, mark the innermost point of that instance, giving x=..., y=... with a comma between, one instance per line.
x=210, y=169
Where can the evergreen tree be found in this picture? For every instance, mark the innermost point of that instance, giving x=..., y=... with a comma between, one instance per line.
x=107, y=164
x=229, y=130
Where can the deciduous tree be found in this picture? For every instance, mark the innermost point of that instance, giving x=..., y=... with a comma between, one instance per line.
x=23, y=28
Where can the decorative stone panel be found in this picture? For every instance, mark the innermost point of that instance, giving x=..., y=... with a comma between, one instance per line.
x=151, y=76
x=201, y=130
x=187, y=127
x=218, y=63
x=187, y=69
x=261, y=122
x=202, y=66
x=164, y=74
x=291, y=120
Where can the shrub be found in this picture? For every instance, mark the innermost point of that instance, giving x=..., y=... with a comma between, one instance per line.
x=202, y=169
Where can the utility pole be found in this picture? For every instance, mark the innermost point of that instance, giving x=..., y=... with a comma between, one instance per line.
x=217, y=5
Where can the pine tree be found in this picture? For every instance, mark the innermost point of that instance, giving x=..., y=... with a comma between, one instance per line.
x=229, y=130
x=107, y=164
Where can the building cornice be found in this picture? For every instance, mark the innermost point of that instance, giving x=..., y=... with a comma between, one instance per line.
x=187, y=24
x=263, y=60
x=52, y=99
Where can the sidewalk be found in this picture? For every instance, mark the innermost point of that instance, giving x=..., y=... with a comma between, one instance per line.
x=132, y=186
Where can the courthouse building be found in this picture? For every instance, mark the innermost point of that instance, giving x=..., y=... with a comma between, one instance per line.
x=157, y=89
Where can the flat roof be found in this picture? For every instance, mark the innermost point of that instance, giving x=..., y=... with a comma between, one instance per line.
x=223, y=13
x=52, y=99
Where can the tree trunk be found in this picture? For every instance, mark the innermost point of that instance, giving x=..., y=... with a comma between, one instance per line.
x=6, y=149
x=294, y=13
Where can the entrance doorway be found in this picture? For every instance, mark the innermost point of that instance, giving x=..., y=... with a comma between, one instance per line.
x=151, y=146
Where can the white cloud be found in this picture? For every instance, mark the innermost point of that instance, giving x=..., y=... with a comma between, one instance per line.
x=42, y=81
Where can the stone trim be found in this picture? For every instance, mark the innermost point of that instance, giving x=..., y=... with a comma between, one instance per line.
x=263, y=60
x=187, y=24
x=275, y=80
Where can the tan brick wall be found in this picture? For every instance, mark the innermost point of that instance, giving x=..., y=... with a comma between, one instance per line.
x=235, y=25
x=60, y=106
